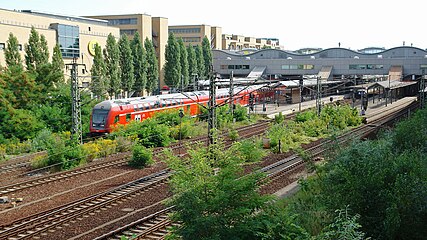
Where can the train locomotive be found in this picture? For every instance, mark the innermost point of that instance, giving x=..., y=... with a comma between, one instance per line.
x=107, y=114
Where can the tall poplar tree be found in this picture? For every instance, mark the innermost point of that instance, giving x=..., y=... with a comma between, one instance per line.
x=139, y=64
x=126, y=65
x=97, y=85
x=200, y=62
x=11, y=52
x=57, y=61
x=173, y=64
x=184, y=62
x=44, y=52
x=32, y=50
x=112, y=62
x=152, y=67
x=192, y=61
x=207, y=55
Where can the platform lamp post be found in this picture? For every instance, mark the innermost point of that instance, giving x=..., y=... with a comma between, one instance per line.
x=318, y=96
x=231, y=93
x=195, y=85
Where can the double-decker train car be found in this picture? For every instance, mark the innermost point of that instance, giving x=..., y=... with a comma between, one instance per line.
x=107, y=114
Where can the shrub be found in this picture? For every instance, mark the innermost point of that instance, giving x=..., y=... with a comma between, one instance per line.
x=74, y=156
x=279, y=118
x=43, y=140
x=2, y=153
x=91, y=151
x=233, y=134
x=141, y=157
x=250, y=150
x=124, y=144
x=39, y=162
x=106, y=147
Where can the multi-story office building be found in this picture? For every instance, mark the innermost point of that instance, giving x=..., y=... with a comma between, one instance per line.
x=194, y=34
x=237, y=42
x=76, y=36
x=153, y=28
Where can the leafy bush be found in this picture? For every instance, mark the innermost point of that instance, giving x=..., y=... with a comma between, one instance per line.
x=305, y=116
x=183, y=130
x=279, y=118
x=141, y=157
x=149, y=132
x=43, y=140
x=2, y=153
x=233, y=134
x=250, y=150
x=91, y=151
x=106, y=147
x=39, y=162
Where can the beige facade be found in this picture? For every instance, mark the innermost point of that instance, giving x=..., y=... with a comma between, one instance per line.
x=153, y=28
x=238, y=42
x=160, y=39
x=54, y=28
x=194, y=34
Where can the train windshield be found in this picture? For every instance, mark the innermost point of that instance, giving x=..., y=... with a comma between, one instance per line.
x=99, y=116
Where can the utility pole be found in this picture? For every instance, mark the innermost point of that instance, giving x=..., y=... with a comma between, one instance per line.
x=212, y=106
x=231, y=93
x=76, y=113
x=422, y=90
x=318, y=96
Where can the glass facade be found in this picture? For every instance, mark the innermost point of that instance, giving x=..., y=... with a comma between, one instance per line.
x=68, y=39
x=191, y=39
x=2, y=46
x=185, y=30
x=238, y=66
x=297, y=67
x=365, y=66
x=423, y=66
x=128, y=31
x=124, y=21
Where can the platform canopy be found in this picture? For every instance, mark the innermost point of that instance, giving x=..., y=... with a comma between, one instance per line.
x=393, y=84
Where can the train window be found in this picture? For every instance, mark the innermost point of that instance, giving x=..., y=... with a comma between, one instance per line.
x=116, y=119
x=128, y=117
x=140, y=107
x=188, y=108
x=135, y=107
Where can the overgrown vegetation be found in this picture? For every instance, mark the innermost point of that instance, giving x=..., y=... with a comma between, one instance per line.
x=141, y=157
x=308, y=126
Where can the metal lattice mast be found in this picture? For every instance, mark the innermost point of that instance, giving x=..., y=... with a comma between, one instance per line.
x=212, y=106
x=76, y=113
x=231, y=93
x=319, y=96
x=422, y=91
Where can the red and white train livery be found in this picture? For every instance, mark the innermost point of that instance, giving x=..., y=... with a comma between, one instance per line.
x=107, y=114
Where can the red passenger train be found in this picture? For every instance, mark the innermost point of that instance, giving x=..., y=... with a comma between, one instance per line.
x=107, y=114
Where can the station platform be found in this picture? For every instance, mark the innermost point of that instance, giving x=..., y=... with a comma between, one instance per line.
x=272, y=109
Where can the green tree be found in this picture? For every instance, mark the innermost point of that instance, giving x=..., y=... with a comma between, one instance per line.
x=200, y=62
x=385, y=188
x=152, y=67
x=139, y=64
x=57, y=61
x=184, y=63
x=98, y=84
x=11, y=52
x=112, y=62
x=213, y=199
x=32, y=50
x=21, y=124
x=126, y=65
x=44, y=52
x=172, y=65
x=192, y=62
x=22, y=87
x=207, y=55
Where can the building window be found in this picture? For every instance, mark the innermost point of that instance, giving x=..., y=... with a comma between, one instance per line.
x=365, y=66
x=68, y=39
x=20, y=47
x=191, y=39
x=423, y=66
x=184, y=30
x=128, y=31
x=2, y=46
x=124, y=21
x=89, y=29
x=245, y=66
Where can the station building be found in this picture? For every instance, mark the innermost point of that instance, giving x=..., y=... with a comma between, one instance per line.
x=237, y=43
x=76, y=36
x=399, y=63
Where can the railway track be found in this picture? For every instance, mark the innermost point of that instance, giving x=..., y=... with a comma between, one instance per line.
x=19, y=162
x=36, y=225
x=118, y=160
